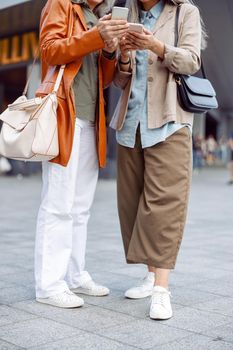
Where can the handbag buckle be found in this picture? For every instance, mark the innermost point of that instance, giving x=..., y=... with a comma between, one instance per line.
x=178, y=81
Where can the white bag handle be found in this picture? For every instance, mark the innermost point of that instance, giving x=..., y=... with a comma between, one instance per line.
x=59, y=78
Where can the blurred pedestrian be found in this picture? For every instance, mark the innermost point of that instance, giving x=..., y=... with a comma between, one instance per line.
x=72, y=34
x=230, y=143
x=5, y=166
x=155, y=143
x=223, y=150
x=197, y=153
x=211, y=146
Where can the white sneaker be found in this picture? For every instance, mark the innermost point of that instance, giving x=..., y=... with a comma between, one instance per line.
x=91, y=288
x=143, y=290
x=160, y=308
x=66, y=299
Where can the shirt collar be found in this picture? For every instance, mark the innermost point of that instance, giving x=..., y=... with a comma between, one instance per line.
x=154, y=12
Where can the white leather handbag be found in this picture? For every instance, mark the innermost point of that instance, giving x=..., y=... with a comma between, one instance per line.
x=29, y=131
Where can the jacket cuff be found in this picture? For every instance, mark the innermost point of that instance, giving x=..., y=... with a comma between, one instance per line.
x=169, y=54
x=123, y=74
x=96, y=38
x=109, y=55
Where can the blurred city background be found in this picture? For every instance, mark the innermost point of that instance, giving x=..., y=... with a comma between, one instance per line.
x=19, y=32
x=202, y=283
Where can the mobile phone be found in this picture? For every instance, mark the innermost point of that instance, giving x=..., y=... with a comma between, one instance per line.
x=135, y=27
x=120, y=13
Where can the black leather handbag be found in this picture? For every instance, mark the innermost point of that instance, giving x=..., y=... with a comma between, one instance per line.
x=195, y=95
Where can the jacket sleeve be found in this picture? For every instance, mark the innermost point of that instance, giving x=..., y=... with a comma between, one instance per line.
x=121, y=78
x=56, y=47
x=185, y=59
x=108, y=68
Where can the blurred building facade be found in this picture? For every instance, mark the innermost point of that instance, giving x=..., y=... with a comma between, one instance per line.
x=217, y=58
x=19, y=39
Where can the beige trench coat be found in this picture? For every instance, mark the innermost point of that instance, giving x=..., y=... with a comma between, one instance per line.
x=163, y=106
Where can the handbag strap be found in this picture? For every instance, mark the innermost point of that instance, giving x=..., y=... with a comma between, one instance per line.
x=59, y=78
x=177, y=38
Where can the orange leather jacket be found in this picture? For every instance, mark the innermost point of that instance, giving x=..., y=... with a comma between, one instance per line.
x=65, y=39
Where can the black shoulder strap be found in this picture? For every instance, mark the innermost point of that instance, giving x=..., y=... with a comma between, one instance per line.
x=177, y=25
x=177, y=37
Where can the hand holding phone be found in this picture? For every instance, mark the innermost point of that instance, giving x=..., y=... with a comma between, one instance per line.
x=135, y=27
x=110, y=28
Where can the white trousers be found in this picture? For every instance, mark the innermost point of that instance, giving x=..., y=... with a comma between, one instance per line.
x=67, y=196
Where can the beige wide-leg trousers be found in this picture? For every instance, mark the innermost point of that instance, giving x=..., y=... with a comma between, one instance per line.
x=153, y=189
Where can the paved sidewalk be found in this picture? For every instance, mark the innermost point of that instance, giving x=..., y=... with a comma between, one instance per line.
x=202, y=284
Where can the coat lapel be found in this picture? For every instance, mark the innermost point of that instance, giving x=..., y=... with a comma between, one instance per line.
x=77, y=8
x=166, y=14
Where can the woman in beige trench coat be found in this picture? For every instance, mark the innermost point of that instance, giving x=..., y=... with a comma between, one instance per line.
x=154, y=138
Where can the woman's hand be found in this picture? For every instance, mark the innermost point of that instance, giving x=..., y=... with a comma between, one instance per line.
x=110, y=29
x=111, y=45
x=140, y=41
x=144, y=41
x=125, y=62
x=125, y=52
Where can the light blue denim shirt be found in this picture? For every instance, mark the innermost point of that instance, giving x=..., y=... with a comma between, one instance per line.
x=137, y=107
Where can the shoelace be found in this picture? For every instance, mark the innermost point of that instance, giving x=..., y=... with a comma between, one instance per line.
x=160, y=296
x=67, y=295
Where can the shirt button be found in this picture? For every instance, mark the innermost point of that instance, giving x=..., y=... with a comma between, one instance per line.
x=150, y=61
x=150, y=79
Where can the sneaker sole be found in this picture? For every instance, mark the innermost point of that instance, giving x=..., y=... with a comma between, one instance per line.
x=72, y=306
x=139, y=297
x=156, y=318
x=87, y=292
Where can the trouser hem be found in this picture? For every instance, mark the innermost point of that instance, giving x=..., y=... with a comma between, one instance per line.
x=132, y=260
x=45, y=295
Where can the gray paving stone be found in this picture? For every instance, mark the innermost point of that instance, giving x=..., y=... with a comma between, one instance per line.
x=221, y=305
x=87, y=318
x=190, y=297
x=10, y=269
x=199, y=276
x=195, y=342
x=224, y=333
x=143, y=333
x=35, y=332
x=85, y=341
x=10, y=315
x=24, y=278
x=135, y=271
x=204, y=261
x=104, y=302
x=195, y=320
x=5, y=284
x=114, y=280
x=8, y=346
x=135, y=308
x=15, y=294
x=223, y=288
